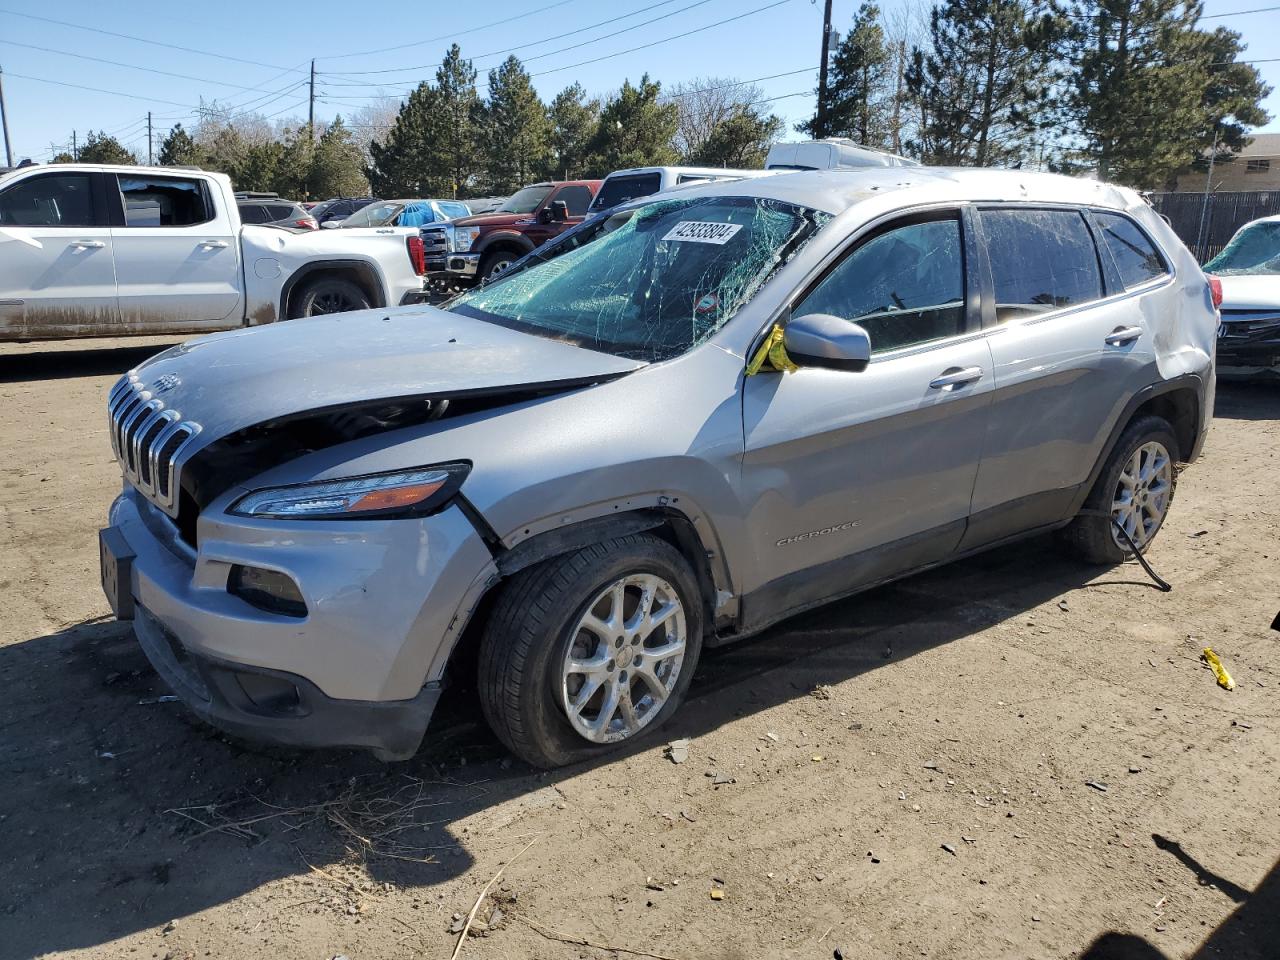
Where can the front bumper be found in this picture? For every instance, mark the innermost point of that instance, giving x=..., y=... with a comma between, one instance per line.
x=1249, y=344
x=362, y=668
x=454, y=265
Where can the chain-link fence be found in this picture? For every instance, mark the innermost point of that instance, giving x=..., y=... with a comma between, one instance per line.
x=1206, y=223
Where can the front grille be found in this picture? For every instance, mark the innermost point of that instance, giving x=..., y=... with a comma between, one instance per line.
x=148, y=439
x=435, y=242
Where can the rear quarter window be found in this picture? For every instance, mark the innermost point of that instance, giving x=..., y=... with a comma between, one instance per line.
x=1135, y=256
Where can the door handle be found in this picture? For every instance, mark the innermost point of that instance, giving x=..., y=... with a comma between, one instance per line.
x=214, y=244
x=87, y=244
x=956, y=377
x=1122, y=335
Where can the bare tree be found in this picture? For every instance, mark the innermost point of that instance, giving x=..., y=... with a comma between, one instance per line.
x=906, y=26
x=705, y=103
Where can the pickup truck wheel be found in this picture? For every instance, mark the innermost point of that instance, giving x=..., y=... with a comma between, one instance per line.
x=327, y=295
x=1135, y=488
x=590, y=650
x=494, y=263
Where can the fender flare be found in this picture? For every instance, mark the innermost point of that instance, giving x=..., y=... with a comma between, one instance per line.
x=367, y=271
x=505, y=237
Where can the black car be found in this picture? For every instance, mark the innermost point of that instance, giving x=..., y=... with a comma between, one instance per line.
x=339, y=208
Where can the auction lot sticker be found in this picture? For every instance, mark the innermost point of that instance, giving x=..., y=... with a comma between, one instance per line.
x=699, y=231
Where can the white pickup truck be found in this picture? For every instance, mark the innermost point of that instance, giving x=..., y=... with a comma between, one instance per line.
x=94, y=250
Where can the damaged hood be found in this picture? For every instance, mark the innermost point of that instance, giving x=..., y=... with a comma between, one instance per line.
x=1250, y=292
x=230, y=381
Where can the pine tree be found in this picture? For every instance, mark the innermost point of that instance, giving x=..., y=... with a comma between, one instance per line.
x=454, y=121
x=982, y=83
x=100, y=148
x=179, y=150
x=293, y=167
x=336, y=166
x=514, y=132
x=635, y=130
x=1148, y=91
x=740, y=140
x=402, y=164
x=860, y=87
x=573, y=120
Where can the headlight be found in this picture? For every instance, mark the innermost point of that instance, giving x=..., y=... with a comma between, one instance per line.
x=409, y=493
x=464, y=237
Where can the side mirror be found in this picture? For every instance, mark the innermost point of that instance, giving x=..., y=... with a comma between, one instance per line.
x=821, y=340
x=544, y=215
x=559, y=210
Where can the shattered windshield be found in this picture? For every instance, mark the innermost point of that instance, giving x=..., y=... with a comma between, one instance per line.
x=1254, y=250
x=651, y=282
x=524, y=201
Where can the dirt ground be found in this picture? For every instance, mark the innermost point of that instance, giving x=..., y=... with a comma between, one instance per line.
x=1016, y=756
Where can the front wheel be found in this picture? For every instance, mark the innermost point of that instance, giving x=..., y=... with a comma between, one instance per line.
x=327, y=295
x=590, y=650
x=1134, y=489
x=495, y=263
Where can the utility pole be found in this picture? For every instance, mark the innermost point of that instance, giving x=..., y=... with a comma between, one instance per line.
x=897, y=98
x=149, y=160
x=311, y=106
x=1204, y=204
x=4, y=120
x=820, y=123
x=75, y=148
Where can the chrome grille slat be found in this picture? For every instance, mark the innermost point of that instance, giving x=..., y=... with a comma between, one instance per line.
x=149, y=440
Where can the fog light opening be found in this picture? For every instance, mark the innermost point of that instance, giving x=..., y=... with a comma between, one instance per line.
x=270, y=694
x=268, y=590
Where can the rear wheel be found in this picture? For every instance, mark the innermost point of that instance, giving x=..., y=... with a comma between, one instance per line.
x=327, y=295
x=590, y=650
x=1135, y=489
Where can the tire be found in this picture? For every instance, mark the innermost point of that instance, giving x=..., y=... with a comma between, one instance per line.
x=1092, y=534
x=524, y=677
x=327, y=295
x=495, y=262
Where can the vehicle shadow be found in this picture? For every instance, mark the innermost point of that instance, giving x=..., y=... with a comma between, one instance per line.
x=61, y=364
x=121, y=813
x=1247, y=400
x=1252, y=932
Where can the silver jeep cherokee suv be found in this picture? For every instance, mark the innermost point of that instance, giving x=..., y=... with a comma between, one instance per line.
x=680, y=423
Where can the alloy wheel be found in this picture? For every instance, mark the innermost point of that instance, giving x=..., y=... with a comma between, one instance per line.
x=624, y=658
x=1142, y=494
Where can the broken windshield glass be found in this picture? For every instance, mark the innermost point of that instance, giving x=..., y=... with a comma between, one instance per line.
x=1254, y=250
x=651, y=282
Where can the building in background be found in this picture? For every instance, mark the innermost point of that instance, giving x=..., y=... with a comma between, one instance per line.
x=1256, y=167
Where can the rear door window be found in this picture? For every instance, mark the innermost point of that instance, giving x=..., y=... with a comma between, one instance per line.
x=576, y=198
x=163, y=201
x=616, y=190
x=1135, y=255
x=905, y=286
x=49, y=200
x=253, y=213
x=1041, y=261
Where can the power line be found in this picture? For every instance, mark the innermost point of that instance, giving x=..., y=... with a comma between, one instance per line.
x=1237, y=13
x=114, y=93
x=129, y=66
x=154, y=43
x=736, y=83
x=575, y=46
x=654, y=43
x=448, y=36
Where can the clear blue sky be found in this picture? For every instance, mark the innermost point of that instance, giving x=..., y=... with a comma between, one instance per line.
x=281, y=38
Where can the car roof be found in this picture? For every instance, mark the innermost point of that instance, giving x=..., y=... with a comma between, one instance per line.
x=834, y=191
x=722, y=172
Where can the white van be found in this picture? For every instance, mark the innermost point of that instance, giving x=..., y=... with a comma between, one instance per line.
x=833, y=153
x=623, y=185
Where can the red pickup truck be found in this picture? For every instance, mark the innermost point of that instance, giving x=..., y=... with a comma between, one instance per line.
x=464, y=251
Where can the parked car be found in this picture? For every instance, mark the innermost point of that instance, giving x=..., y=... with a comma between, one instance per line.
x=276, y=213
x=485, y=204
x=95, y=250
x=623, y=185
x=339, y=208
x=1248, y=270
x=475, y=248
x=404, y=213
x=831, y=153
x=697, y=415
